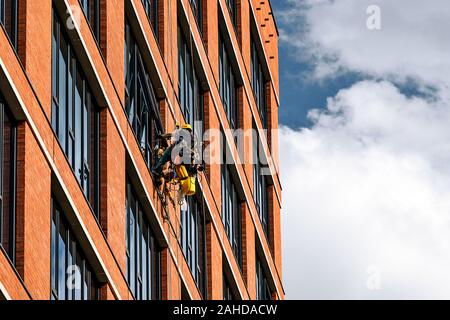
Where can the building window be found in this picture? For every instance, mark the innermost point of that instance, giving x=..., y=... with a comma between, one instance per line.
x=142, y=107
x=258, y=83
x=228, y=85
x=192, y=239
x=196, y=6
x=72, y=277
x=151, y=8
x=9, y=19
x=75, y=117
x=143, y=252
x=91, y=9
x=190, y=94
x=231, y=211
x=8, y=181
x=260, y=186
x=227, y=292
x=232, y=8
x=262, y=286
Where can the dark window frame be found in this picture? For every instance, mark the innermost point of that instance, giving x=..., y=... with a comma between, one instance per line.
x=152, y=15
x=91, y=9
x=231, y=212
x=263, y=291
x=258, y=82
x=142, y=106
x=228, y=294
x=190, y=93
x=8, y=179
x=193, y=240
x=197, y=9
x=228, y=85
x=75, y=115
x=11, y=26
x=233, y=10
x=62, y=233
x=260, y=185
x=144, y=278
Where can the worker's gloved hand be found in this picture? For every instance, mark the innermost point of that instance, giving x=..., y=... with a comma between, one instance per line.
x=200, y=168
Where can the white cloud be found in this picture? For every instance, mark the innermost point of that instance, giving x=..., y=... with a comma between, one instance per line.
x=368, y=185
x=413, y=41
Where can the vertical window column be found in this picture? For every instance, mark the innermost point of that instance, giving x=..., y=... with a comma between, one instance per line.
x=260, y=186
x=142, y=107
x=192, y=239
x=190, y=94
x=197, y=8
x=231, y=211
x=228, y=85
x=263, y=291
x=9, y=19
x=143, y=253
x=151, y=8
x=232, y=8
x=91, y=9
x=75, y=117
x=72, y=277
x=7, y=181
x=258, y=83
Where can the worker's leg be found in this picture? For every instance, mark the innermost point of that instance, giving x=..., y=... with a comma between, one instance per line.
x=163, y=160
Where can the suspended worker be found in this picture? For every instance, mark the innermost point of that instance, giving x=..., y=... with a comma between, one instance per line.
x=180, y=151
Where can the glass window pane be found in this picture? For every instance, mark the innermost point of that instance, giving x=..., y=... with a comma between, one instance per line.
x=86, y=287
x=132, y=248
x=70, y=269
x=70, y=115
x=181, y=71
x=72, y=278
x=62, y=91
x=62, y=262
x=55, y=57
x=53, y=251
x=78, y=126
x=144, y=259
x=8, y=17
x=142, y=103
x=79, y=287
x=71, y=109
x=139, y=276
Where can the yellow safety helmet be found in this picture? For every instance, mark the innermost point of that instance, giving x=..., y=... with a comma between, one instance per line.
x=187, y=127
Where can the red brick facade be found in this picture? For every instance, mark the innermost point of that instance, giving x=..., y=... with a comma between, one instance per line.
x=43, y=169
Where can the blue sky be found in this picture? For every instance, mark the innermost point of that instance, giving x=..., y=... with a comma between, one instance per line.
x=295, y=84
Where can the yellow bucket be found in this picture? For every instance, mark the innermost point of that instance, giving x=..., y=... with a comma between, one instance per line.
x=187, y=183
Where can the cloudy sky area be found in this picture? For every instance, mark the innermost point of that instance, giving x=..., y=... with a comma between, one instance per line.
x=366, y=167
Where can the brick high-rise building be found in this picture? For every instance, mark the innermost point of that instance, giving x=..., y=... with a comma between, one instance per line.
x=85, y=88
